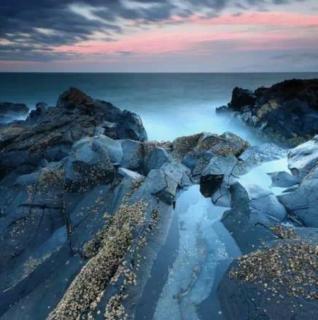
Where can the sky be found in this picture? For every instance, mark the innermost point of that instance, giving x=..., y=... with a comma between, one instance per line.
x=158, y=35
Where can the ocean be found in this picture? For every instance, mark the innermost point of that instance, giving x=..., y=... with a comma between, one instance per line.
x=170, y=104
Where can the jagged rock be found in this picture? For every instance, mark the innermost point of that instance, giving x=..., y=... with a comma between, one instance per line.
x=242, y=98
x=178, y=172
x=25, y=144
x=301, y=201
x=280, y=109
x=165, y=181
x=222, y=109
x=222, y=196
x=156, y=159
x=224, y=145
x=218, y=169
x=197, y=161
x=113, y=147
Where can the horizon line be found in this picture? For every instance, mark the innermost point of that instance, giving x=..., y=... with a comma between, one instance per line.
x=156, y=72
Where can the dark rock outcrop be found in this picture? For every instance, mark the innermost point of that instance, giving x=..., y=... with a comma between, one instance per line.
x=287, y=111
x=242, y=98
x=24, y=145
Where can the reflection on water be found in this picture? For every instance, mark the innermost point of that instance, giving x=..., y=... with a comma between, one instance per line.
x=204, y=245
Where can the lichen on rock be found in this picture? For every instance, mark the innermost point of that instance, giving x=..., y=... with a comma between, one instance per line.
x=97, y=273
x=289, y=266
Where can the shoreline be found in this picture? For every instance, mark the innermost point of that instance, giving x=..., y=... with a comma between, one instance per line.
x=82, y=165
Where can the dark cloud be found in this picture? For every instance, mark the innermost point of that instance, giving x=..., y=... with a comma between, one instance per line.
x=30, y=28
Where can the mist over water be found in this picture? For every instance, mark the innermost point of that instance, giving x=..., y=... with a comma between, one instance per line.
x=170, y=105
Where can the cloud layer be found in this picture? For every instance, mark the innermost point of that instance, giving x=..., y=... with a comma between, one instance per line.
x=130, y=31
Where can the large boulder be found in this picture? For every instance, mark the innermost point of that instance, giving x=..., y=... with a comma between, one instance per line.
x=223, y=145
x=90, y=163
x=52, y=133
x=265, y=205
x=156, y=159
x=198, y=150
x=164, y=182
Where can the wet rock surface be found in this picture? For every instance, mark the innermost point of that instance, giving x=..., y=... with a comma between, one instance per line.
x=71, y=204
x=83, y=193
x=276, y=278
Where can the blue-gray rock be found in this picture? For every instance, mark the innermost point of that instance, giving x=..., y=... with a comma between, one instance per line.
x=133, y=154
x=303, y=158
x=283, y=179
x=156, y=159
x=248, y=220
x=220, y=169
x=303, y=201
x=52, y=133
x=89, y=164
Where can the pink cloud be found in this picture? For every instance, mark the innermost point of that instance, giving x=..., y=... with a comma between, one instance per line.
x=198, y=30
x=261, y=18
x=151, y=42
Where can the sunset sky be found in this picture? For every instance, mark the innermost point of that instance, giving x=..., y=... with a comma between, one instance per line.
x=159, y=35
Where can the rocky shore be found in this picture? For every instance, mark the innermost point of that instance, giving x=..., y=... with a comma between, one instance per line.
x=277, y=276
x=83, y=193
x=287, y=111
